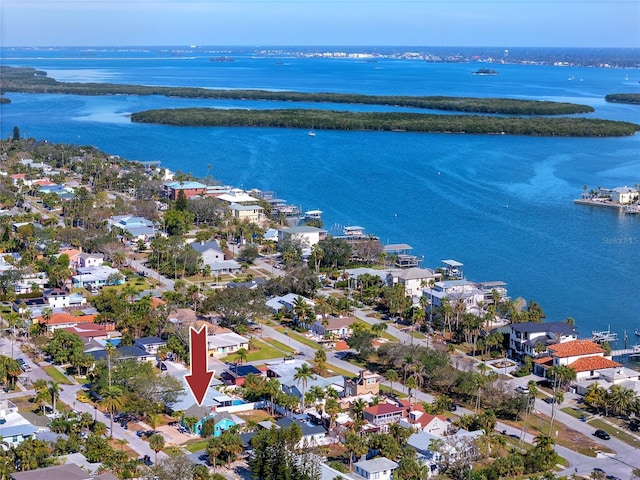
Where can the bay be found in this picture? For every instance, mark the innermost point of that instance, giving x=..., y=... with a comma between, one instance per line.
x=500, y=204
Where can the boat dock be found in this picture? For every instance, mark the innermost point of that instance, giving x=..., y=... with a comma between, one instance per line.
x=631, y=352
x=604, y=336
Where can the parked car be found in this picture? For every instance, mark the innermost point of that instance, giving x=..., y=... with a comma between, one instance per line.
x=523, y=390
x=550, y=400
x=602, y=434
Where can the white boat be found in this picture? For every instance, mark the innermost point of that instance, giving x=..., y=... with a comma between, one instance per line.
x=312, y=133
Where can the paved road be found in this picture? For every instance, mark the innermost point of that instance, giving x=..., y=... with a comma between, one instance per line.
x=68, y=396
x=620, y=464
x=167, y=283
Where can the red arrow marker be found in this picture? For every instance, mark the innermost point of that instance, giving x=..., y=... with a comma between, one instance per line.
x=199, y=377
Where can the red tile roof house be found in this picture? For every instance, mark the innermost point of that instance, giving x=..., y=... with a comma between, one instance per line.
x=419, y=420
x=64, y=320
x=383, y=414
x=584, y=356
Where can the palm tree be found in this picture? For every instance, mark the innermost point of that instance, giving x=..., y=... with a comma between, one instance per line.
x=272, y=388
x=318, y=394
x=156, y=443
x=54, y=391
x=392, y=376
x=109, y=348
x=112, y=400
x=621, y=399
x=303, y=375
x=531, y=403
x=358, y=407
x=242, y=354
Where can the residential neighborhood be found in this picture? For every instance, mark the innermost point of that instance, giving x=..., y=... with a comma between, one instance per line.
x=339, y=354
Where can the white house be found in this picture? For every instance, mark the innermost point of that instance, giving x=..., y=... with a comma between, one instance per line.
x=418, y=419
x=97, y=277
x=306, y=236
x=587, y=358
x=222, y=344
x=380, y=468
x=56, y=297
x=414, y=280
x=250, y=213
x=14, y=428
x=624, y=195
x=287, y=302
x=210, y=252
x=523, y=337
x=339, y=327
x=455, y=291
x=138, y=227
x=150, y=344
x=87, y=260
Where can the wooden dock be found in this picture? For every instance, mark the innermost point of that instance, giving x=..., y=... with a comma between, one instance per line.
x=631, y=352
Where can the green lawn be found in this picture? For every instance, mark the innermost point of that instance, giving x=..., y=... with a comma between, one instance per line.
x=197, y=445
x=57, y=375
x=267, y=348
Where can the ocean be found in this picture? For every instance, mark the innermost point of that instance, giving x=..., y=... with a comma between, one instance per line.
x=500, y=204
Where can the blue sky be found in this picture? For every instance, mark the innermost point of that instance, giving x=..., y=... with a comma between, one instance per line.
x=505, y=23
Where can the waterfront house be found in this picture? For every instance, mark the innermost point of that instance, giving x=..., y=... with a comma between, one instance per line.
x=380, y=468
x=247, y=213
x=523, y=337
x=414, y=280
x=455, y=291
x=190, y=189
x=306, y=236
x=453, y=269
x=608, y=377
x=365, y=383
x=237, y=196
x=398, y=254
x=624, y=195
x=587, y=358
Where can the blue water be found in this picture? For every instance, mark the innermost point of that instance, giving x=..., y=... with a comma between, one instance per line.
x=502, y=205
